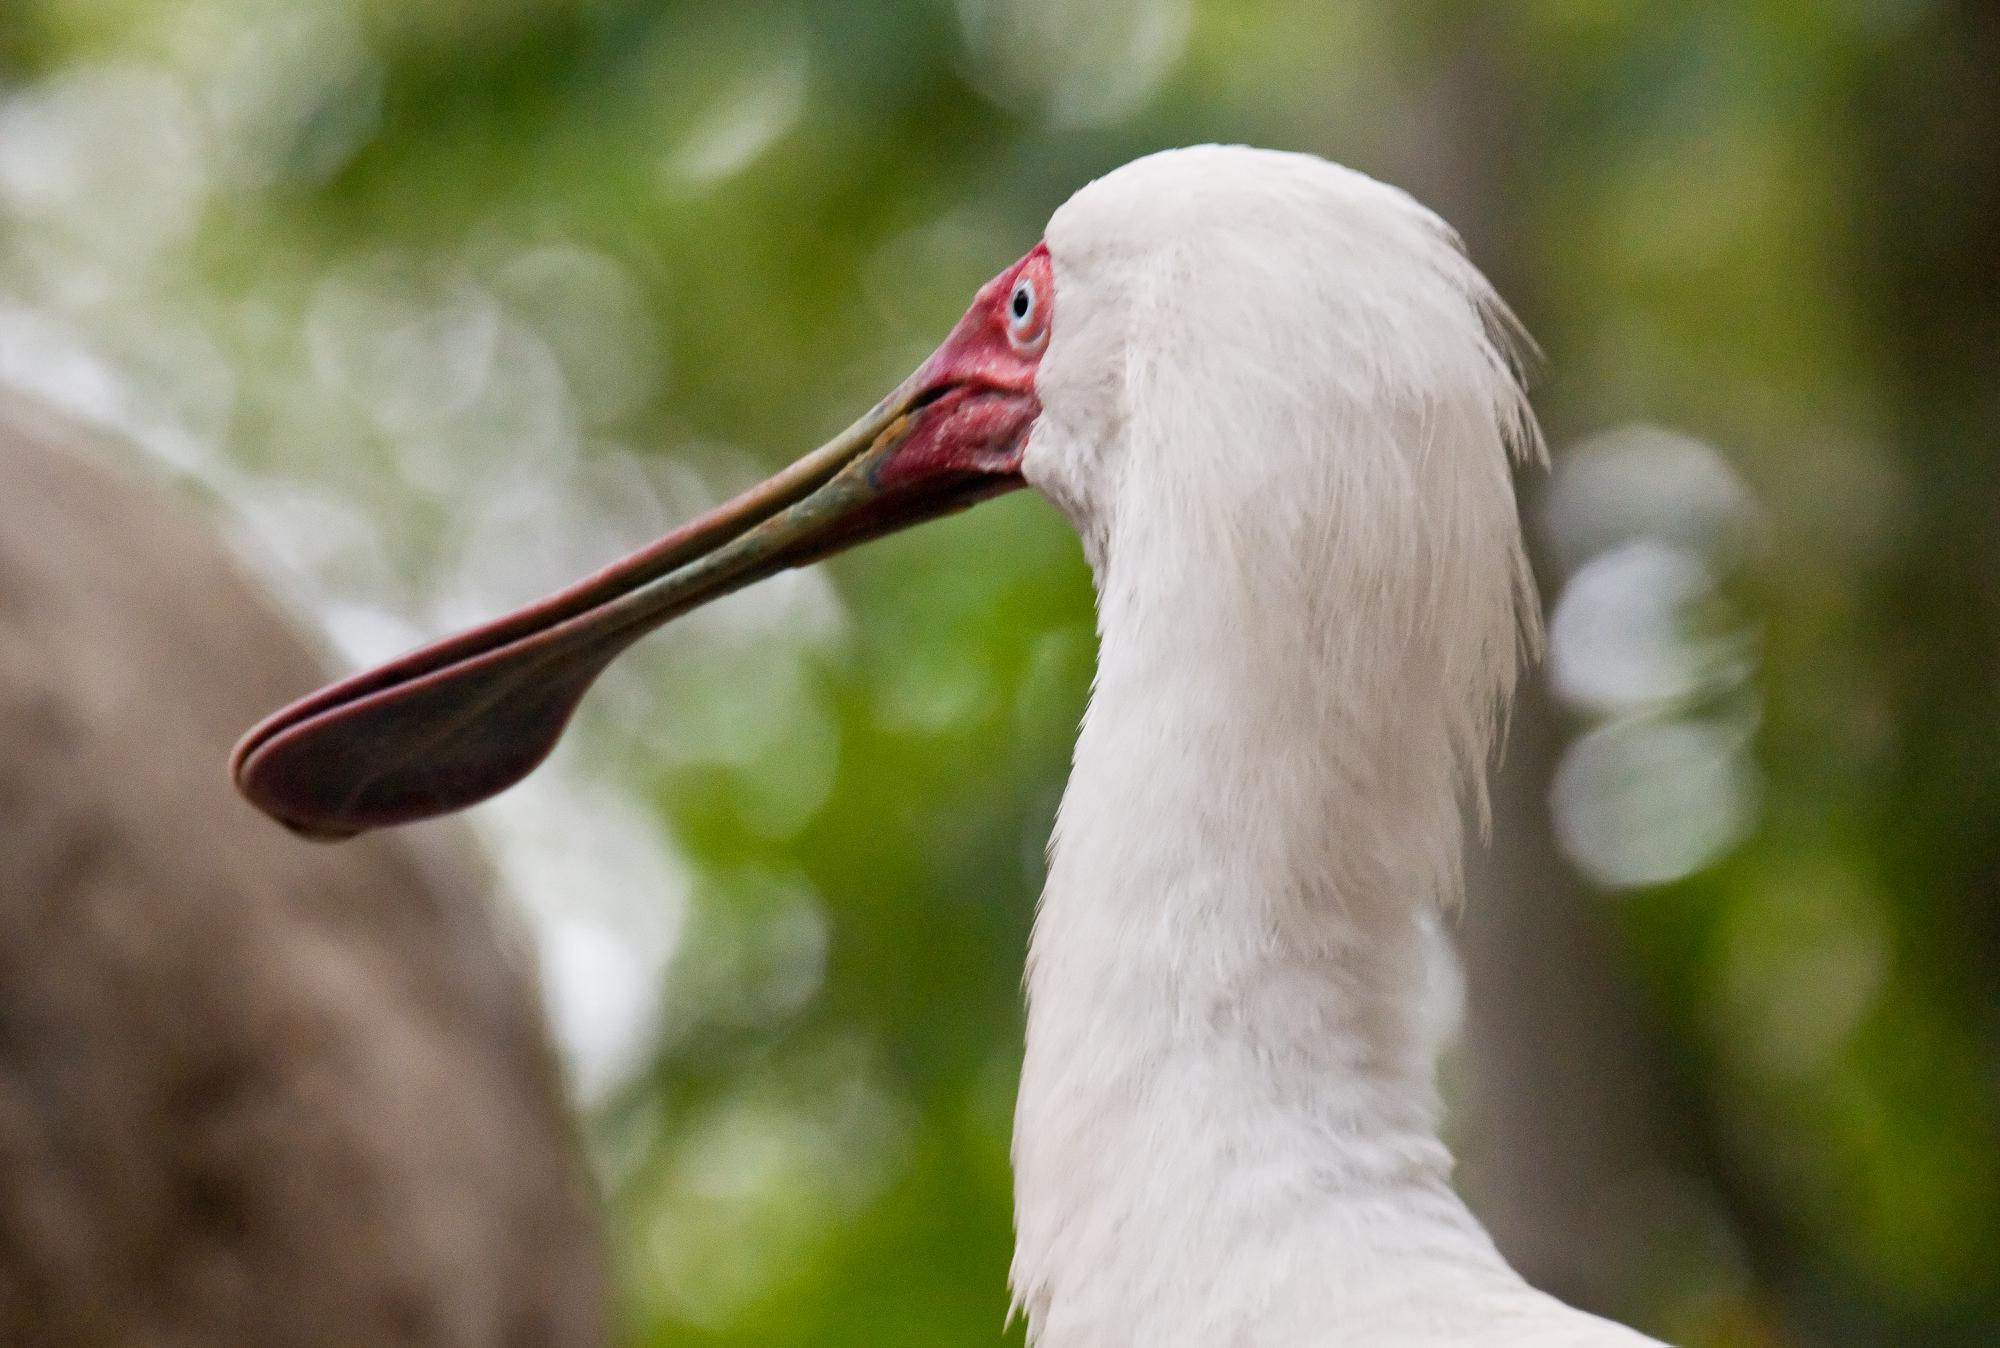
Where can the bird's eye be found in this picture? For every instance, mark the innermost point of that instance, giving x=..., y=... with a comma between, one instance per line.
x=1024, y=315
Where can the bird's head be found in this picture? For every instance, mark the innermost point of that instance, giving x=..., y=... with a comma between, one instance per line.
x=1218, y=357
x=1228, y=320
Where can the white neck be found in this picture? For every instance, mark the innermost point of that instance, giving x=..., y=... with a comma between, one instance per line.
x=1227, y=1125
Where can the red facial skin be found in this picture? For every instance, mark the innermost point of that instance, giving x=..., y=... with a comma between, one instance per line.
x=464, y=718
x=989, y=352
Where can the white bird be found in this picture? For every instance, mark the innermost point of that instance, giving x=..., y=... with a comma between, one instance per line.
x=1279, y=406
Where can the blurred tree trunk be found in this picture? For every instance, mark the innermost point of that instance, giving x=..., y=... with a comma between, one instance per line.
x=1579, y=1145
x=1927, y=259
x=1581, y=1150
x=1931, y=246
x=253, y=1090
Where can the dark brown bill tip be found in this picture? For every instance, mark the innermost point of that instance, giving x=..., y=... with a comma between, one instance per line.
x=435, y=744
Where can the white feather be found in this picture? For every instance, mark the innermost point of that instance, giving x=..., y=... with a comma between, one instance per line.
x=1280, y=407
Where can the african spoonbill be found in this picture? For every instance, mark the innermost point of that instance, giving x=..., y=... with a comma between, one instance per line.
x=1280, y=407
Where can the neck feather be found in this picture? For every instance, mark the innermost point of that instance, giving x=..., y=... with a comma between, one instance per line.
x=1227, y=1125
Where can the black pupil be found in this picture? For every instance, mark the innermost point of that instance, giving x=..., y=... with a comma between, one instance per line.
x=1021, y=302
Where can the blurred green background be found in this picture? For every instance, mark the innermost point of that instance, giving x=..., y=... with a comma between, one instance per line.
x=440, y=303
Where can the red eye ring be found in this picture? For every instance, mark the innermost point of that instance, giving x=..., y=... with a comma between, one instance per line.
x=1025, y=326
